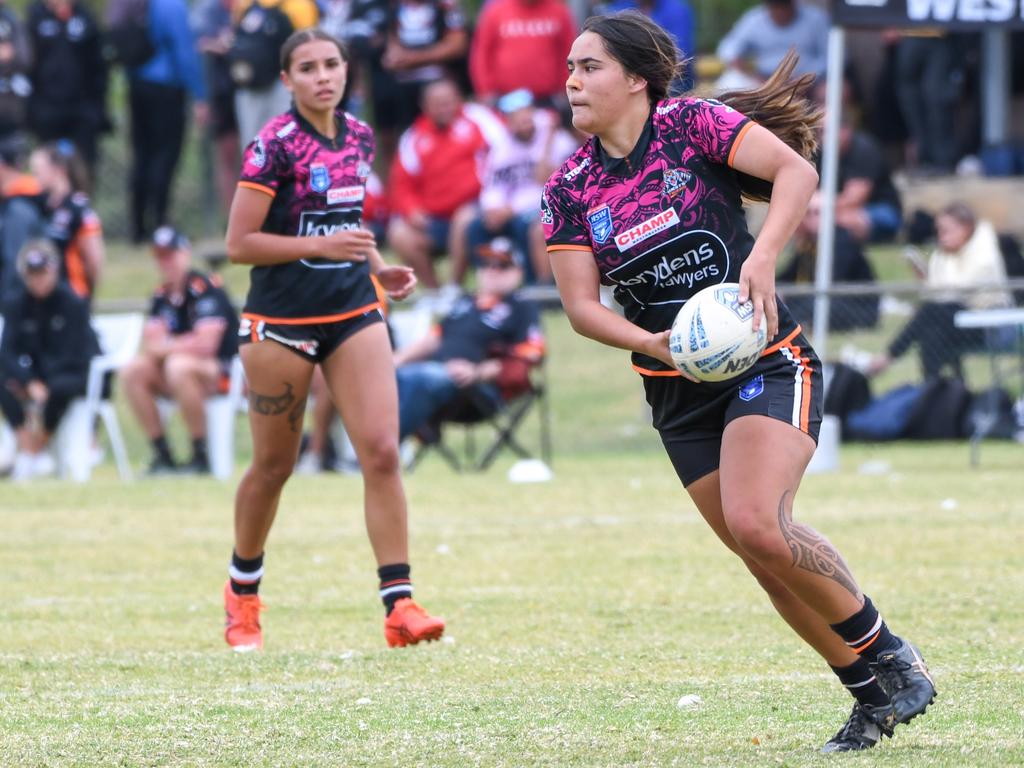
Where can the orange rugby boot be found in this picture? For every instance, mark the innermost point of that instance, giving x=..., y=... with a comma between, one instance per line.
x=242, y=621
x=408, y=624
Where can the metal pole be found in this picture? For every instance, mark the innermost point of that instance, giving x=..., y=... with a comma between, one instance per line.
x=829, y=182
x=995, y=86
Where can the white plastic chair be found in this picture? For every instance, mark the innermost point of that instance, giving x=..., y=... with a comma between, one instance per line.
x=119, y=336
x=220, y=421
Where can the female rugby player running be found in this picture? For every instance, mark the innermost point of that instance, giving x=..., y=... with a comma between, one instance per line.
x=652, y=206
x=296, y=218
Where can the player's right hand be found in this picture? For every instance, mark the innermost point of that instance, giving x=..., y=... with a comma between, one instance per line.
x=658, y=348
x=347, y=245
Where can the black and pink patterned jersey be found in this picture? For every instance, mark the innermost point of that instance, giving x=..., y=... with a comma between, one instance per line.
x=663, y=222
x=318, y=186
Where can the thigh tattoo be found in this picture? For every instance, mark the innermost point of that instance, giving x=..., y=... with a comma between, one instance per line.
x=272, y=405
x=813, y=552
x=295, y=415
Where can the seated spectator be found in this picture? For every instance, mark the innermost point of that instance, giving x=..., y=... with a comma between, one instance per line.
x=867, y=205
x=15, y=61
x=21, y=213
x=44, y=357
x=73, y=225
x=435, y=178
x=522, y=44
x=967, y=257
x=763, y=35
x=187, y=346
x=849, y=265
x=513, y=179
x=473, y=344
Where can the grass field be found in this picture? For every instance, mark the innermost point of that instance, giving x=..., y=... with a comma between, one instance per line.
x=579, y=612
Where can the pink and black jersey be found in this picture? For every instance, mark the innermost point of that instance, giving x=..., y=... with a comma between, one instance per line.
x=662, y=223
x=318, y=186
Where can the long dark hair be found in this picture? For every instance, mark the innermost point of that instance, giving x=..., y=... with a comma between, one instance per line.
x=781, y=104
x=295, y=39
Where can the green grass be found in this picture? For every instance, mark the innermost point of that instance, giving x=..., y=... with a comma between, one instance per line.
x=579, y=612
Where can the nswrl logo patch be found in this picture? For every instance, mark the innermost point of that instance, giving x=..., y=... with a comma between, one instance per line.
x=600, y=224
x=319, y=179
x=752, y=389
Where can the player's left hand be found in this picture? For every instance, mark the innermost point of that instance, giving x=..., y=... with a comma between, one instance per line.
x=398, y=281
x=757, y=283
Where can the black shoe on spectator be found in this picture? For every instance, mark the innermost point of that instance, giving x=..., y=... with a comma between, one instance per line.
x=162, y=465
x=199, y=465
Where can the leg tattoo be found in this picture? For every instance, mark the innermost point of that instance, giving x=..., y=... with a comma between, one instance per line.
x=813, y=552
x=295, y=415
x=272, y=405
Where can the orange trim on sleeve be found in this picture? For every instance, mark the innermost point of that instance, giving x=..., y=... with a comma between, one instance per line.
x=75, y=266
x=569, y=248
x=258, y=187
x=647, y=372
x=313, y=320
x=90, y=228
x=736, y=142
x=780, y=344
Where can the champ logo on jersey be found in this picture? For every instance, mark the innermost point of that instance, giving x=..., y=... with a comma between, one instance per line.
x=340, y=195
x=319, y=179
x=600, y=221
x=645, y=229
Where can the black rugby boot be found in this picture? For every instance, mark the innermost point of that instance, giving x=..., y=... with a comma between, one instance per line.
x=904, y=677
x=861, y=731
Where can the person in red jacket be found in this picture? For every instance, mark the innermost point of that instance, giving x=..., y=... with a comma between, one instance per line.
x=522, y=44
x=435, y=178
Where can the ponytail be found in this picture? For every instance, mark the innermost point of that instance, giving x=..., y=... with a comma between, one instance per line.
x=781, y=105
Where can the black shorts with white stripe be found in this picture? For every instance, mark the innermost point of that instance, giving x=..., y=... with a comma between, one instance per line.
x=785, y=384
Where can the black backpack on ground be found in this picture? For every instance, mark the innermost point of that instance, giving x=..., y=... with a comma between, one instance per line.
x=848, y=390
x=939, y=414
x=127, y=40
x=254, y=58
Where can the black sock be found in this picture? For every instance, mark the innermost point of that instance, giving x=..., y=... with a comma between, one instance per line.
x=394, y=584
x=866, y=633
x=861, y=684
x=245, y=574
x=199, y=450
x=162, y=449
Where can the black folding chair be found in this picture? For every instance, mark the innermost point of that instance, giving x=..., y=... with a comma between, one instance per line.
x=489, y=428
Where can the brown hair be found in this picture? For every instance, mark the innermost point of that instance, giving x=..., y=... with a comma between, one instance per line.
x=295, y=39
x=63, y=155
x=641, y=47
x=781, y=104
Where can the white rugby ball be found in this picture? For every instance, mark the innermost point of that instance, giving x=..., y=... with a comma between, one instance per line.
x=712, y=336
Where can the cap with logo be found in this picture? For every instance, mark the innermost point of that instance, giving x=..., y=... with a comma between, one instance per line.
x=167, y=237
x=37, y=256
x=515, y=100
x=499, y=252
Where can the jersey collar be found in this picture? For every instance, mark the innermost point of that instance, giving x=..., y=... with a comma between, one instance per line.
x=629, y=165
x=339, y=121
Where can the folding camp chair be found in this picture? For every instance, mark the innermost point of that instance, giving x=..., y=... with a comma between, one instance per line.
x=489, y=428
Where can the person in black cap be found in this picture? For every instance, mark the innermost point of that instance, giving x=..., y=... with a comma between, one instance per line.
x=475, y=344
x=187, y=346
x=44, y=356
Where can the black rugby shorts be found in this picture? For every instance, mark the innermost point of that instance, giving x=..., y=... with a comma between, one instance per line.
x=785, y=384
x=313, y=341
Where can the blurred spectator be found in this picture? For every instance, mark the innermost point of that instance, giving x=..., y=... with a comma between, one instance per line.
x=44, y=357
x=157, y=99
x=514, y=174
x=69, y=75
x=21, y=213
x=765, y=33
x=967, y=257
x=676, y=18
x=211, y=24
x=928, y=86
x=475, y=345
x=73, y=225
x=435, y=178
x=262, y=26
x=361, y=25
x=187, y=346
x=15, y=61
x=423, y=40
x=522, y=44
